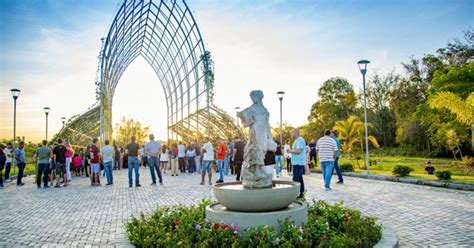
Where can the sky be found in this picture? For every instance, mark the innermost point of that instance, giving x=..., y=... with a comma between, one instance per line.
x=49, y=50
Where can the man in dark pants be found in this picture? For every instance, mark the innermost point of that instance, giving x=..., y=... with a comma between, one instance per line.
x=312, y=153
x=132, y=152
x=298, y=159
x=9, y=154
x=59, y=155
x=43, y=154
x=238, y=156
x=153, y=150
x=21, y=162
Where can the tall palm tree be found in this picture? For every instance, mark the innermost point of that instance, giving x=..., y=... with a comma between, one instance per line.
x=463, y=109
x=351, y=132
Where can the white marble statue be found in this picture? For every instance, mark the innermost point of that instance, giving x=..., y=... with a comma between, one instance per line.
x=255, y=173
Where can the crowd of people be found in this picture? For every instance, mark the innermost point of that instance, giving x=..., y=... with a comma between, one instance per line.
x=57, y=162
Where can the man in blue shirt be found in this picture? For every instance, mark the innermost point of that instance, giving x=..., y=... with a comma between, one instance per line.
x=153, y=150
x=298, y=158
x=338, y=154
x=21, y=162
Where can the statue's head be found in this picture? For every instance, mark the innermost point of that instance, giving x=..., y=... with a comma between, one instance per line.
x=256, y=96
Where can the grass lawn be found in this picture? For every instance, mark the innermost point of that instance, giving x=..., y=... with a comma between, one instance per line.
x=385, y=165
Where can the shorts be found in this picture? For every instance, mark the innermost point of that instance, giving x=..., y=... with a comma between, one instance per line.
x=60, y=168
x=95, y=168
x=206, y=166
x=52, y=166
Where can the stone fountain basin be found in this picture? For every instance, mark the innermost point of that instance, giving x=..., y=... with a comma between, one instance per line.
x=235, y=197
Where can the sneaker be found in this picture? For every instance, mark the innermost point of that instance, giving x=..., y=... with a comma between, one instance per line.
x=46, y=187
x=38, y=187
x=210, y=183
x=130, y=186
x=219, y=181
x=153, y=184
x=301, y=196
x=202, y=183
x=161, y=183
x=21, y=184
x=57, y=186
x=138, y=185
x=327, y=189
x=341, y=182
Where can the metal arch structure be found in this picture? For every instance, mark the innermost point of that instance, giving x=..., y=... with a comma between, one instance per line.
x=166, y=35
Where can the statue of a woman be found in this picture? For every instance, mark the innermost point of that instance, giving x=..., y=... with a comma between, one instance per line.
x=256, y=174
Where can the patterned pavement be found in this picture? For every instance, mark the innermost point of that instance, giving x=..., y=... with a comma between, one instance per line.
x=85, y=216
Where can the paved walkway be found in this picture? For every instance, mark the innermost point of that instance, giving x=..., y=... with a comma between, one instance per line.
x=82, y=215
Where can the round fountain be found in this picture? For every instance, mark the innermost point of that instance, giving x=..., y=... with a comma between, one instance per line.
x=257, y=200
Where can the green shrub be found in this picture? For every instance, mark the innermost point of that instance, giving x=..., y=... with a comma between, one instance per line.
x=401, y=170
x=443, y=175
x=181, y=226
x=347, y=167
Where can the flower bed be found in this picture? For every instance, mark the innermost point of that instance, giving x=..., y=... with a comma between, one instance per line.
x=328, y=225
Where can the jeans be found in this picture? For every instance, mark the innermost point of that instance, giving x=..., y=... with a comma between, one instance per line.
x=191, y=165
x=68, y=169
x=182, y=164
x=220, y=164
x=226, y=165
x=133, y=163
x=278, y=160
x=21, y=167
x=197, y=161
x=117, y=164
x=108, y=172
x=153, y=163
x=327, y=167
x=42, y=171
x=238, y=169
x=1, y=175
x=298, y=176
x=338, y=170
x=288, y=165
x=8, y=167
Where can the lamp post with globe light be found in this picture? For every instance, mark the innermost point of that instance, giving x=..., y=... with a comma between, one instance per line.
x=363, y=69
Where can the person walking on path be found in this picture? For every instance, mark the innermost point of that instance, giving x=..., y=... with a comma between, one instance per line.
x=238, y=156
x=69, y=153
x=107, y=153
x=174, y=160
x=221, y=151
x=278, y=159
x=132, y=151
x=9, y=159
x=190, y=155
x=59, y=156
x=3, y=159
x=287, y=149
x=94, y=154
x=43, y=154
x=164, y=158
x=336, y=161
x=298, y=159
x=21, y=162
x=208, y=159
x=326, y=148
x=153, y=151
x=182, y=157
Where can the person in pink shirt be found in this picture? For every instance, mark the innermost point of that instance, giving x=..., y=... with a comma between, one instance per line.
x=69, y=153
x=77, y=164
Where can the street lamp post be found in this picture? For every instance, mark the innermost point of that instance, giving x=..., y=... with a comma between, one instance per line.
x=363, y=69
x=46, y=111
x=237, y=110
x=280, y=96
x=15, y=94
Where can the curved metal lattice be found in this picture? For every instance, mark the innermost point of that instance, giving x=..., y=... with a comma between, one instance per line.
x=166, y=35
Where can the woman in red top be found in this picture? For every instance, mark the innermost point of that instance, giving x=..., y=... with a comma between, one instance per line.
x=221, y=151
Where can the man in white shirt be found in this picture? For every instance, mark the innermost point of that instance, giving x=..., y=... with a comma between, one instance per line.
x=208, y=158
x=182, y=157
x=153, y=150
x=327, y=151
x=107, y=153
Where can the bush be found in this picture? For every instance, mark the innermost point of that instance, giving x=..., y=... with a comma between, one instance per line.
x=401, y=170
x=347, y=167
x=181, y=226
x=443, y=175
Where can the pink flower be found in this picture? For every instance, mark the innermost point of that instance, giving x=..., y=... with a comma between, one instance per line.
x=236, y=228
x=235, y=232
x=198, y=227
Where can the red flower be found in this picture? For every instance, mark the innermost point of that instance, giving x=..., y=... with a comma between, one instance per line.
x=347, y=218
x=176, y=222
x=225, y=227
x=216, y=226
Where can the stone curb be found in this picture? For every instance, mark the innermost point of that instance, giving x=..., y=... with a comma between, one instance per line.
x=389, y=239
x=459, y=186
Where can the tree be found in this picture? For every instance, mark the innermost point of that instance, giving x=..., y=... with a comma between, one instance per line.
x=352, y=132
x=287, y=128
x=127, y=128
x=337, y=101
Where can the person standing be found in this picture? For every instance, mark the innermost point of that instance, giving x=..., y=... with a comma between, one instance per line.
x=238, y=156
x=116, y=157
x=43, y=154
x=153, y=151
x=230, y=157
x=94, y=154
x=132, y=151
x=174, y=160
x=59, y=155
x=278, y=159
x=208, y=159
x=107, y=153
x=69, y=153
x=336, y=161
x=164, y=158
x=197, y=159
x=20, y=161
x=3, y=159
x=182, y=157
x=8, y=164
x=221, y=152
x=312, y=152
x=288, y=156
x=326, y=149
x=298, y=158
x=306, y=168
x=190, y=155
